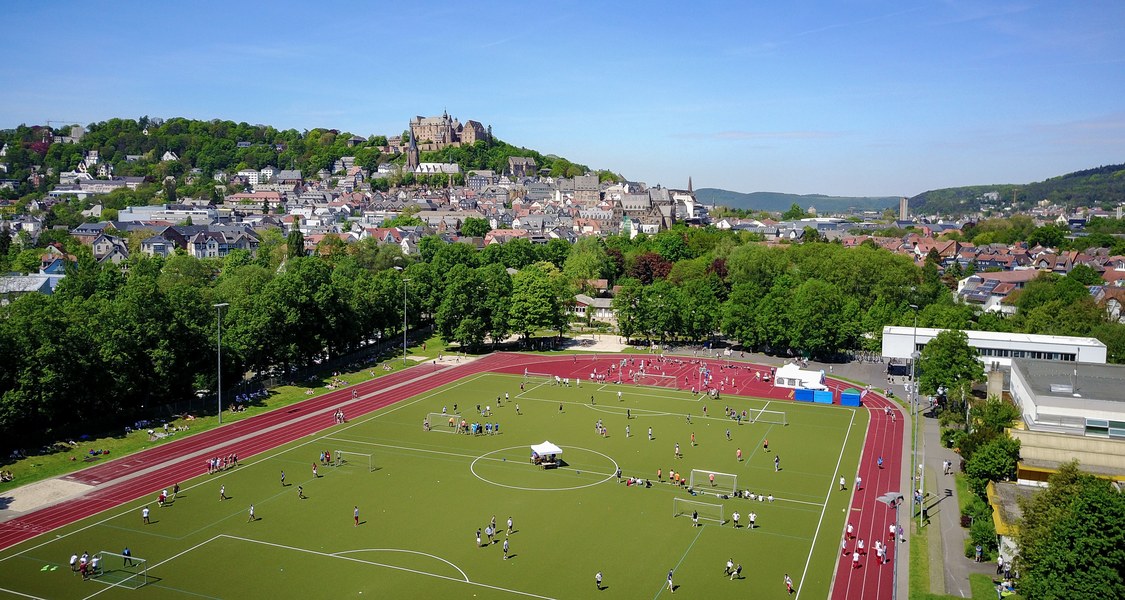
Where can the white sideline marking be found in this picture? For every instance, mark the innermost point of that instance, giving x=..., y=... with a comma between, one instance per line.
x=397, y=568
x=21, y=594
x=820, y=522
x=466, y=577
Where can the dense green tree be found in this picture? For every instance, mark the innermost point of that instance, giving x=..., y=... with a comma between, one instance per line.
x=948, y=362
x=994, y=461
x=795, y=212
x=627, y=305
x=475, y=227
x=535, y=302
x=1071, y=539
x=295, y=243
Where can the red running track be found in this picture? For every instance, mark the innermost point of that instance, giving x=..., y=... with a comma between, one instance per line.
x=183, y=459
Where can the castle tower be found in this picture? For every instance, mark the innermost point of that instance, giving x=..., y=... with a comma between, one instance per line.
x=904, y=209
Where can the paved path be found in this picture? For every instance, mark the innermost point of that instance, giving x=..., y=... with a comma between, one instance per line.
x=944, y=512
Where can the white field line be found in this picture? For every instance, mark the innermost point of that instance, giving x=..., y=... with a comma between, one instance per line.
x=257, y=459
x=831, y=483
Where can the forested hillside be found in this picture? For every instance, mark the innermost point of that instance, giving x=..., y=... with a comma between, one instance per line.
x=778, y=202
x=1101, y=186
x=136, y=148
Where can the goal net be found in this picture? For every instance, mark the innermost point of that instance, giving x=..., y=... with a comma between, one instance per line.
x=682, y=507
x=341, y=458
x=667, y=381
x=774, y=417
x=533, y=375
x=445, y=423
x=714, y=482
x=122, y=571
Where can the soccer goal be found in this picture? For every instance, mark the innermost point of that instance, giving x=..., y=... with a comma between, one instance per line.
x=774, y=417
x=682, y=507
x=666, y=381
x=122, y=571
x=532, y=375
x=445, y=423
x=355, y=459
x=713, y=482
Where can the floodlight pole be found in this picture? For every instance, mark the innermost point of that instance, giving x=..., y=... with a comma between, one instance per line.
x=404, y=282
x=912, y=395
x=219, y=347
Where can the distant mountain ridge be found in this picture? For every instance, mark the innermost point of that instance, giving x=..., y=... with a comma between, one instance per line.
x=780, y=202
x=1103, y=185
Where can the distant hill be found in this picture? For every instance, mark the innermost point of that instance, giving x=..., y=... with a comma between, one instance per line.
x=779, y=202
x=1091, y=187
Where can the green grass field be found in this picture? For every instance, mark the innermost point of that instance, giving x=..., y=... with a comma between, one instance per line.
x=430, y=491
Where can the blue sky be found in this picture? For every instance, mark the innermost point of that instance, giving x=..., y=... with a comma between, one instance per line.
x=867, y=97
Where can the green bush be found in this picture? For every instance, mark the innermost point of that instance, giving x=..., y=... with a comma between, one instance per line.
x=982, y=532
x=950, y=438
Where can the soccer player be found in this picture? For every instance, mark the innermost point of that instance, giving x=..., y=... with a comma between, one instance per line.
x=627, y=434
x=859, y=547
x=766, y=445
x=695, y=518
x=619, y=398
x=598, y=580
x=753, y=517
x=730, y=566
x=510, y=526
x=735, y=516
x=283, y=478
x=671, y=587
x=712, y=478
x=251, y=514
x=222, y=492
x=737, y=572
x=693, y=439
x=478, y=537
x=355, y=517
x=505, y=548
x=74, y=562
x=300, y=493
x=776, y=464
x=851, y=531
x=843, y=483
x=678, y=455
x=650, y=434
x=728, y=435
x=314, y=471
x=518, y=409
x=144, y=515
x=858, y=483
x=127, y=554
x=738, y=454
x=94, y=565
x=788, y=584
x=175, y=491
x=855, y=560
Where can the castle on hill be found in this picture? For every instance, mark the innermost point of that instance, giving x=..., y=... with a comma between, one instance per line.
x=435, y=133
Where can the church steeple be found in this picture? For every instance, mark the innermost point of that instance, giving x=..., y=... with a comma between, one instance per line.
x=412, y=153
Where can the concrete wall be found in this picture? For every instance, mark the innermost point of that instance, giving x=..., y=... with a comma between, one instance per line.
x=1090, y=451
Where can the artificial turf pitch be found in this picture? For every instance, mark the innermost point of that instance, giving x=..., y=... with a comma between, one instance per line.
x=430, y=491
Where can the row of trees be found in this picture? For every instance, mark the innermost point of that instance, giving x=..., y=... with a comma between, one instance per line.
x=146, y=334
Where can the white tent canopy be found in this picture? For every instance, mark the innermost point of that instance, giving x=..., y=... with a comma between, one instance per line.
x=792, y=376
x=546, y=449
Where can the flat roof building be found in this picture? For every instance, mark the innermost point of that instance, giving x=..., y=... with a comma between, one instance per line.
x=1070, y=411
x=998, y=348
